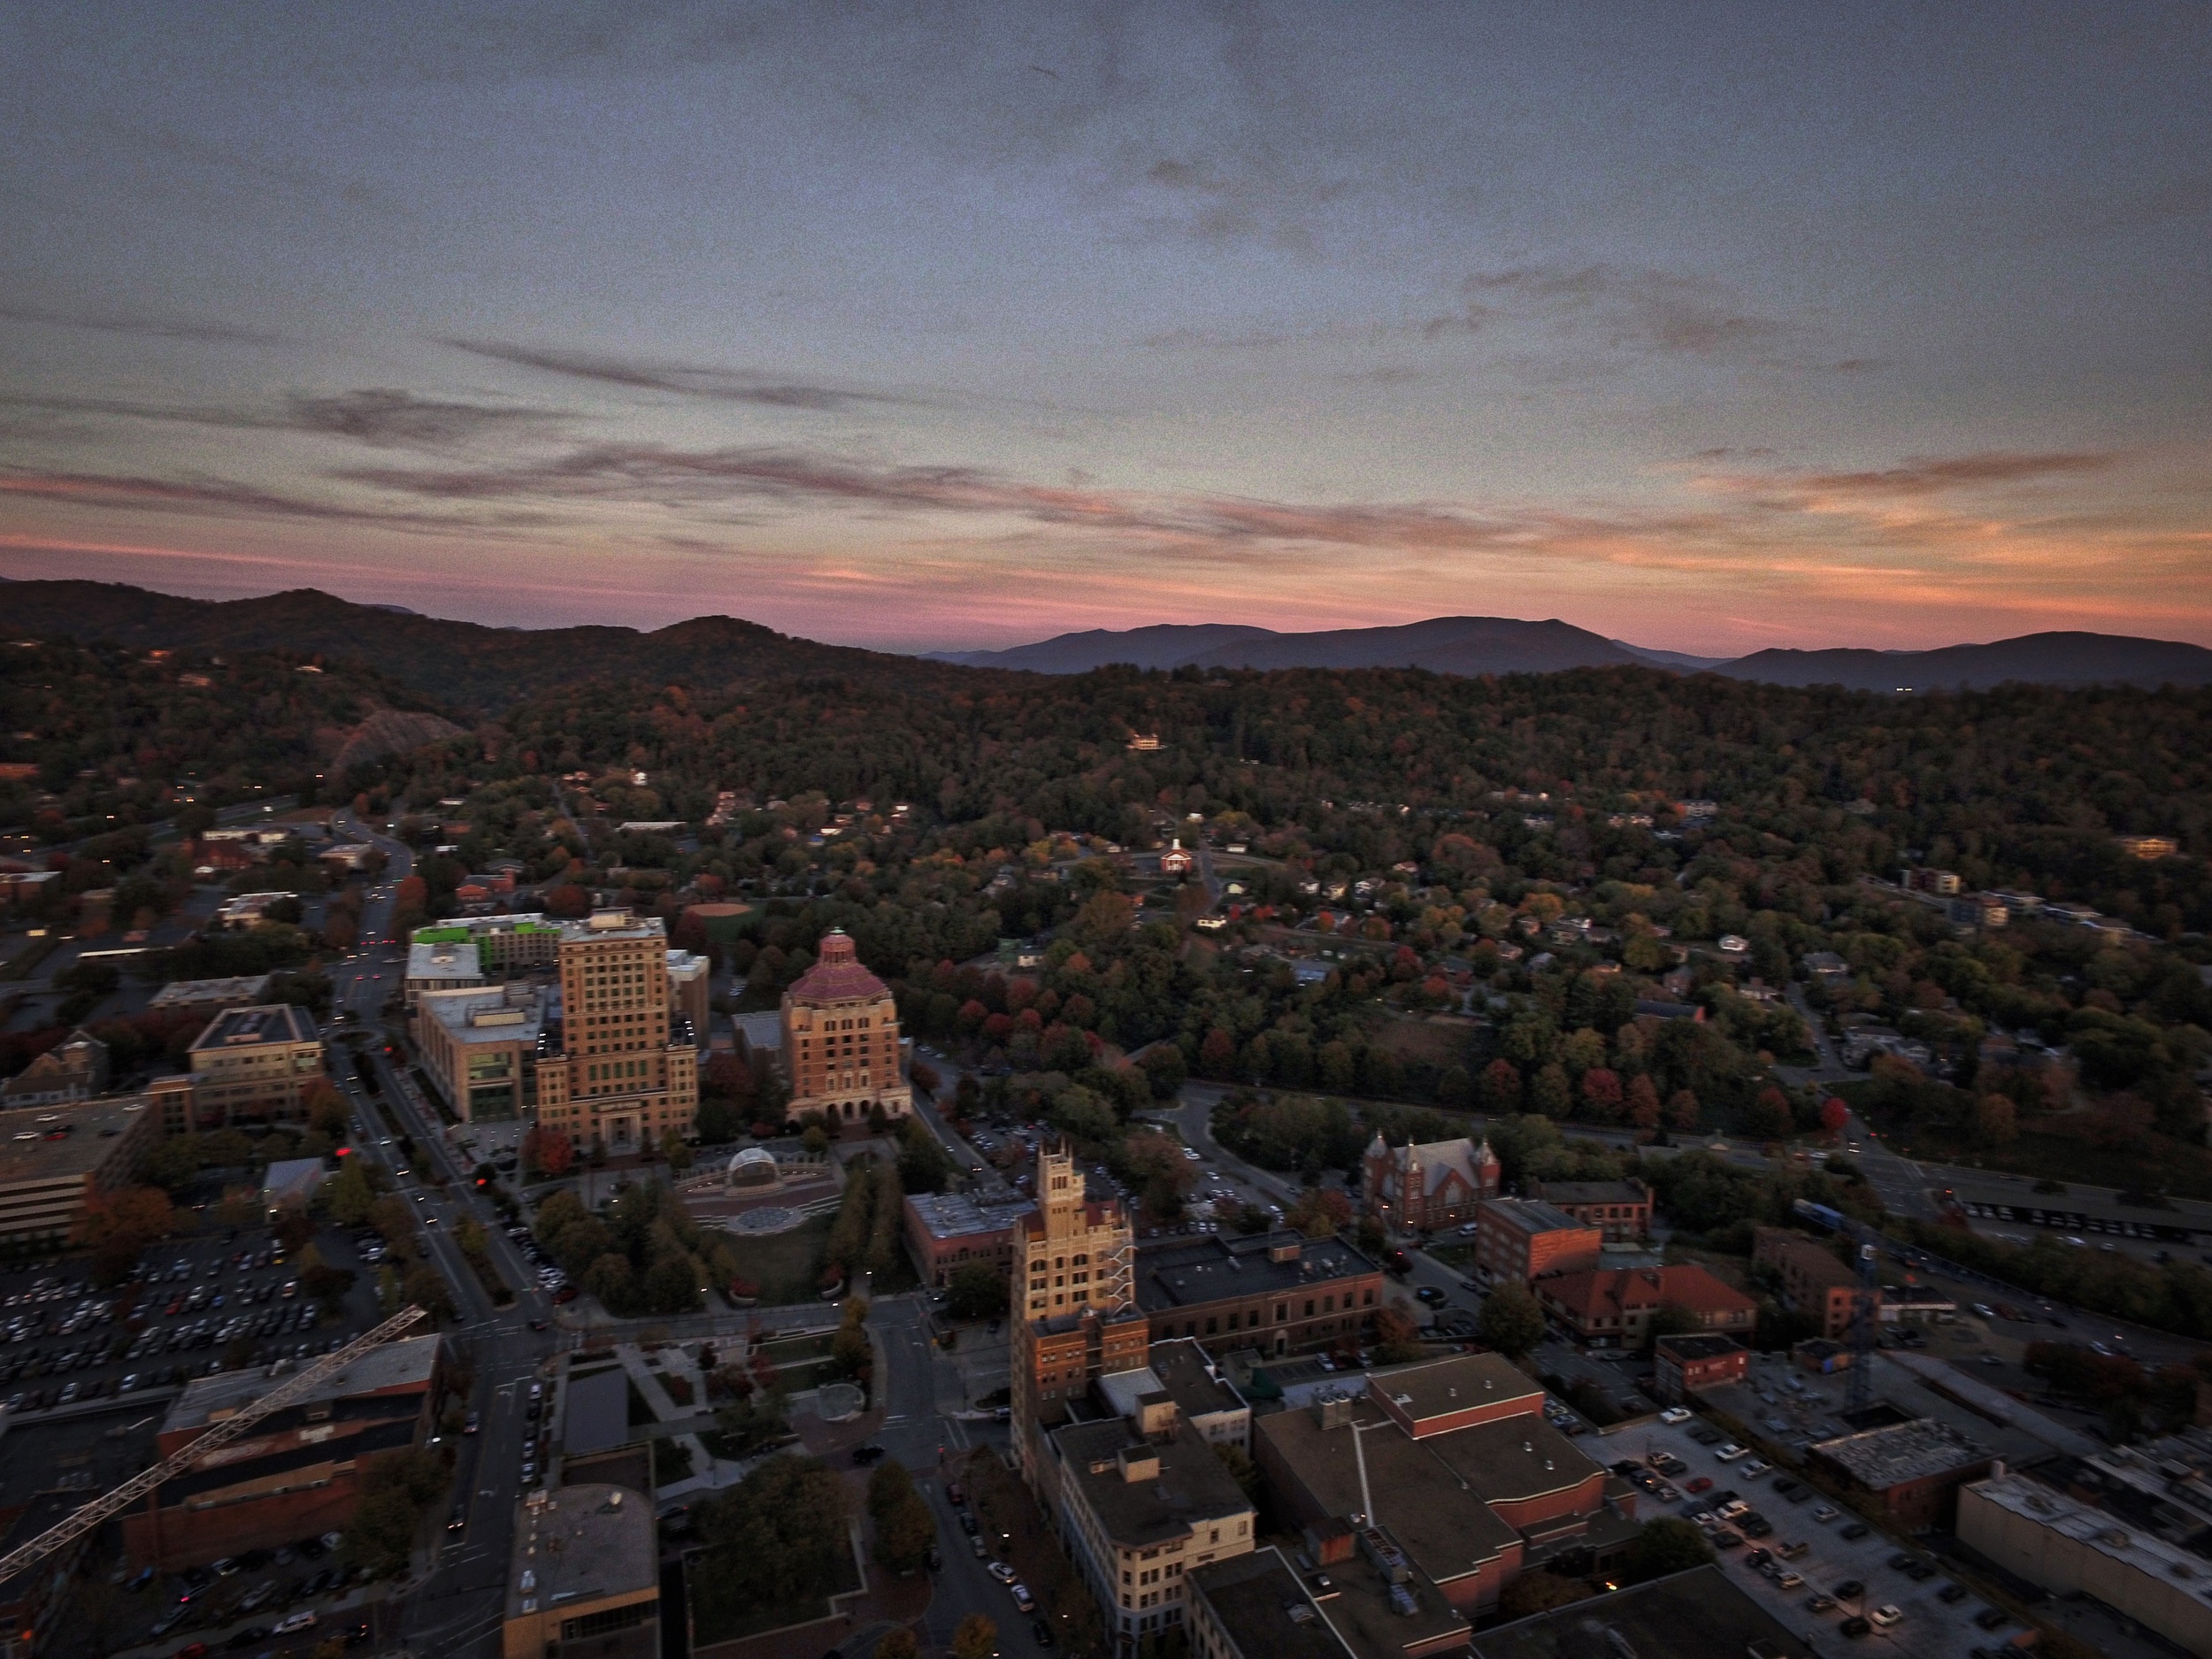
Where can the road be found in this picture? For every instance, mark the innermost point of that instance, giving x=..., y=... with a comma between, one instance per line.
x=458, y=1606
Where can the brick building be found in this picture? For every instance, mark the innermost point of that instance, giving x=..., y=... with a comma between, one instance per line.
x=1518, y=1239
x=1420, y=1188
x=1813, y=1280
x=1684, y=1366
x=295, y=1474
x=1279, y=1291
x=1075, y=1306
x=1914, y=1470
x=1621, y=1211
x=1613, y=1307
x=1453, y=1462
x=945, y=1230
x=840, y=1042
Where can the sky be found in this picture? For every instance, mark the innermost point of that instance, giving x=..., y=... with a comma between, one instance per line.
x=1708, y=327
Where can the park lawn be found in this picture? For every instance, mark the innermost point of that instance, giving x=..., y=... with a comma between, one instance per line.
x=786, y=1266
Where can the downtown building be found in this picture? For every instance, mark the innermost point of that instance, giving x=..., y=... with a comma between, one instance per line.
x=841, y=1042
x=620, y=1069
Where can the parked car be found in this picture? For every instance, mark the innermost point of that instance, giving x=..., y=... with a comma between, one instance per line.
x=1003, y=1573
x=1857, y=1529
x=869, y=1454
x=1022, y=1599
x=1675, y=1414
x=1952, y=1593
x=1884, y=1616
x=301, y=1620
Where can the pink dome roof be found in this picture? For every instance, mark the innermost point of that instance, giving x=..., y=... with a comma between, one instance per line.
x=837, y=975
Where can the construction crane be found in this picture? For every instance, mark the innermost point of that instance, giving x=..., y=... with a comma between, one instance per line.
x=83, y=1520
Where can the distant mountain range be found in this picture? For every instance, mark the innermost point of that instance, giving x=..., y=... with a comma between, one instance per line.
x=1447, y=645
x=1500, y=645
x=474, y=667
x=463, y=664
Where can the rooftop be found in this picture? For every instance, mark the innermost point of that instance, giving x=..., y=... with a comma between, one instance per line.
x=836, y=976
x=88, y=1130
x=1590, y=1191
x=1265, y=1608
x=1698, y=1344
x=1693, y=1614
x=1878, y=1459
x=489, y=1015
x=244, y=987
x=1610, y=1289
x=249, y=1027
x=1458, y=1382
x=406, y=1363
x=596, y=1412
x=1534, y=1215
x=2136, y=1546
x=444, y=960
x=1808, y=1256
x=958, y=1216
x=1179, y=1481
x=1216, y=1265
x=1444, y=1525
x=585, y=1543
x=1192, y=1379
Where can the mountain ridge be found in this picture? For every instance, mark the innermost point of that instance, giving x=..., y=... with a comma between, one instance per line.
x=485, y=668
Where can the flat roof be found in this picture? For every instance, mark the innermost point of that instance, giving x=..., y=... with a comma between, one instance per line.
x=1534, y=1215
x=1880, y=1458
x=1694, y=1615
x=243, y=987
x=444, y=959
x=1457, y=1382
x=1698, y=1344
x=484, y=1015
x=93, y=1127
x=407, y=1363
x=1590, y=1191
x=581, y=1544
x=1215, y=1267
x=958, y=1216
x=249, y=1027
x=1193, y=1486
x=597, y=1412
x=1265, y=1608
x=1448, y=1529
x=1187, y=1373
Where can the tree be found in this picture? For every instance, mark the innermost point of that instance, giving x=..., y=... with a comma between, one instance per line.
x=1994, y=1121
x=1539, y=1592
x=1769, y=1118
x=1643, y=1102
x=898, y=1643
x=426, y=1288
x=119, y=1224
x=904, y=1527
x=1320, y=1213
x=674, y=1153
x=1502, y=1088
x=1665, y=1546
x=347, y=1195
x=548, y=1151
x=924, y=1164
x=976, y=1637
x=1397, y=1339
x=1241, y=1469
x=1550, y=1094
x=609, y=1279
x=976, y=1290
x=772, y=1541
x=1683, y=1110
x=1511, y=1321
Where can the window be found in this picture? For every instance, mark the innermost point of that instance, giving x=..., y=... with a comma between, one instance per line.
x=613, y=1618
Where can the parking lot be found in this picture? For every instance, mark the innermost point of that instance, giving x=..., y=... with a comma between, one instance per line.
x=198, y=1304
x=1840, y=1553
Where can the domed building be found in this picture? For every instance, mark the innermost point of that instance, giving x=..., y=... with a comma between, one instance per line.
x=752, y=1170
x=841, y=1041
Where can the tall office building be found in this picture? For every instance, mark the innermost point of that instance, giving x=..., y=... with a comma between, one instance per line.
x=1074, y=1302
x=622, y=1066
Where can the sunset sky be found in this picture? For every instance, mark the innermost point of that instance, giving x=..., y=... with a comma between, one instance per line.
x=1706, y=326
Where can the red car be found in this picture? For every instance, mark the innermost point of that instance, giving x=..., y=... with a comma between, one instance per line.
x=197, y=1650
x=566, y=1292
x=1702, y=1484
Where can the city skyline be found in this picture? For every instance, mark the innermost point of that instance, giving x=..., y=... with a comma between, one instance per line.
x=1709, y=330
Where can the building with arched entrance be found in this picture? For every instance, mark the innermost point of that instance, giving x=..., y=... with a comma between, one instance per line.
x=840, y=1042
